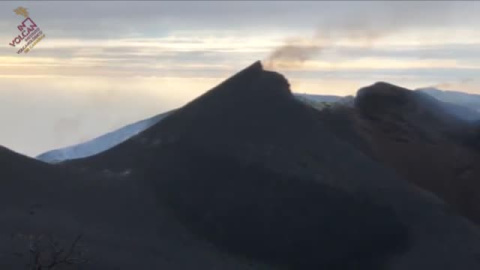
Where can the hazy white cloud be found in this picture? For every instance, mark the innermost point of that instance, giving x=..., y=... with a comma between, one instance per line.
x=40, y=113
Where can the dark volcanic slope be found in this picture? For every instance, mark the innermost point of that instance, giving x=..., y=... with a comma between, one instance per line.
x=410, y=132
x=257, y=173
x=39, y=202
x=116, y=216
x=209, y=164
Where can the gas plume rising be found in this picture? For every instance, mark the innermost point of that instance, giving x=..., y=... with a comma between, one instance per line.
x=293, y=54
x=296, y=51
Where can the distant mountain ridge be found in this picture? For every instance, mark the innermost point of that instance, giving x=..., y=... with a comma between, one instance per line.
x=113, y=138
x=464, y=105
x=461, y=98
x=101, y=143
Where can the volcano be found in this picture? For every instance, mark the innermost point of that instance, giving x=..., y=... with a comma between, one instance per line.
x=243, y=177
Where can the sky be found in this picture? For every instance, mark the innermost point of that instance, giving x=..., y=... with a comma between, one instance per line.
x=103, y=65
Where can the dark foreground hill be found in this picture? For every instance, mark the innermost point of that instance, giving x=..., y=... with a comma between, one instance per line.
x=412, y=133
x=244, y=177
x=93, y=220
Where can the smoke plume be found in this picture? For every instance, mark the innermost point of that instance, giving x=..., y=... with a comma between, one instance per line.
x=293, y=53
x=297, y=50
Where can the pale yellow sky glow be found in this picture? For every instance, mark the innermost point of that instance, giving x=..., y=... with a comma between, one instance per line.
x=104, y=65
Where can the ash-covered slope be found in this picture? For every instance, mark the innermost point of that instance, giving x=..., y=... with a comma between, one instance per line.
x=101, y=143
x=41, y=204
x=257, y=173
x=52, y=217
x=413, y=133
